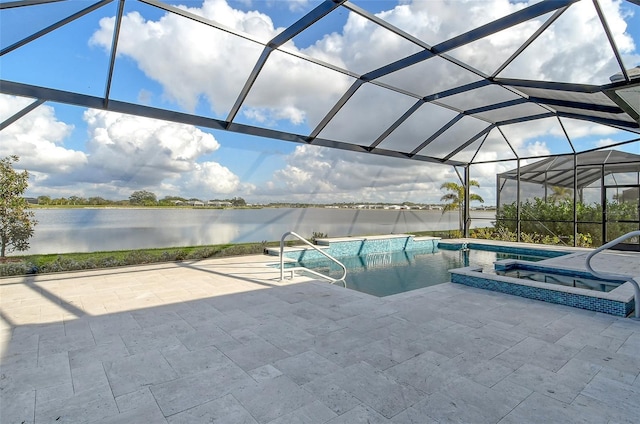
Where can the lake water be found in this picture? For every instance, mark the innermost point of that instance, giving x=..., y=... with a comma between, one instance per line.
x=99, y=229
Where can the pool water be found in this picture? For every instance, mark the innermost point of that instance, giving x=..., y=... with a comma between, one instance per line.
x=555, y=277
x=385, y=274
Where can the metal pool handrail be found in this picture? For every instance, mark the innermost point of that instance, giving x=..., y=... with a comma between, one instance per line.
x=299, y=237
x=617, y=277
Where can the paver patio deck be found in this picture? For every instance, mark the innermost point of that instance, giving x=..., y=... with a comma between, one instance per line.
x=223, y=341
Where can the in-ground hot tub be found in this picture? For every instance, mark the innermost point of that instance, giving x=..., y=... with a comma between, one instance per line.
x=555, y=284
x=562, y=277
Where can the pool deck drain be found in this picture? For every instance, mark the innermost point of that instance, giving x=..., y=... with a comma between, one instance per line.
x=223, y=341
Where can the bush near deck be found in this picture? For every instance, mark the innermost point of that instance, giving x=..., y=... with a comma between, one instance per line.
x=42, y=264
x=549, y=221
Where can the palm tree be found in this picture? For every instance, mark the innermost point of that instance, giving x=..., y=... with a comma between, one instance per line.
x=455, y=198
x=559, y=194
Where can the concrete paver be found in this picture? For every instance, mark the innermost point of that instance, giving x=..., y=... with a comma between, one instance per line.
x=223, y=340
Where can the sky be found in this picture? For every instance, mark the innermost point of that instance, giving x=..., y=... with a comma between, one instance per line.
x=166, y=61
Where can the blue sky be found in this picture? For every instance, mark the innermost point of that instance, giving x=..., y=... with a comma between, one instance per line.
x=166, y=63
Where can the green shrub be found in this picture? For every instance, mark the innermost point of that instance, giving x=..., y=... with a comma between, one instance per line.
x=9, y=269
x=317, y=235
x=482, y=233
x=503, y=234
x=555, y=220
x=40, y=264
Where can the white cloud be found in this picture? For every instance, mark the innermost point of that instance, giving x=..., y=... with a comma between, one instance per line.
x=575, y=48
x=605, y=142
x=192, y=61
x=328, y=175
x=579, y=129
x=297, y=5
x=134, y=151
x=122, y=153
x=210, y=178
x=38, y=138
x=144, y=96
x=177, y=53
x=537, y=148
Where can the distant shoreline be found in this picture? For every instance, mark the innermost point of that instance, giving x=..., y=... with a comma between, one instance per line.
x=357, y=207
x=137, y=207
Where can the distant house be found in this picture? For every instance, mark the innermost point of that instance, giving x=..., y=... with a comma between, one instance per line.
x=219, y=204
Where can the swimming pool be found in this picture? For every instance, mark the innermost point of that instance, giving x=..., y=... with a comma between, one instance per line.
x=387, y=273
x=391, y=264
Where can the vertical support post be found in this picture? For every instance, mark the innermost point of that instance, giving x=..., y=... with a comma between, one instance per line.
x=518, y=202
x=467, y=196
x=498, y=190
x=603, y=203
x=575, y=200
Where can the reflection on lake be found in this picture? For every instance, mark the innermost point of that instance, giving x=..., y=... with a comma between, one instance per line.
x=90, y=230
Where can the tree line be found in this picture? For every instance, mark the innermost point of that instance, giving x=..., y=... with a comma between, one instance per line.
x=137, y=198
